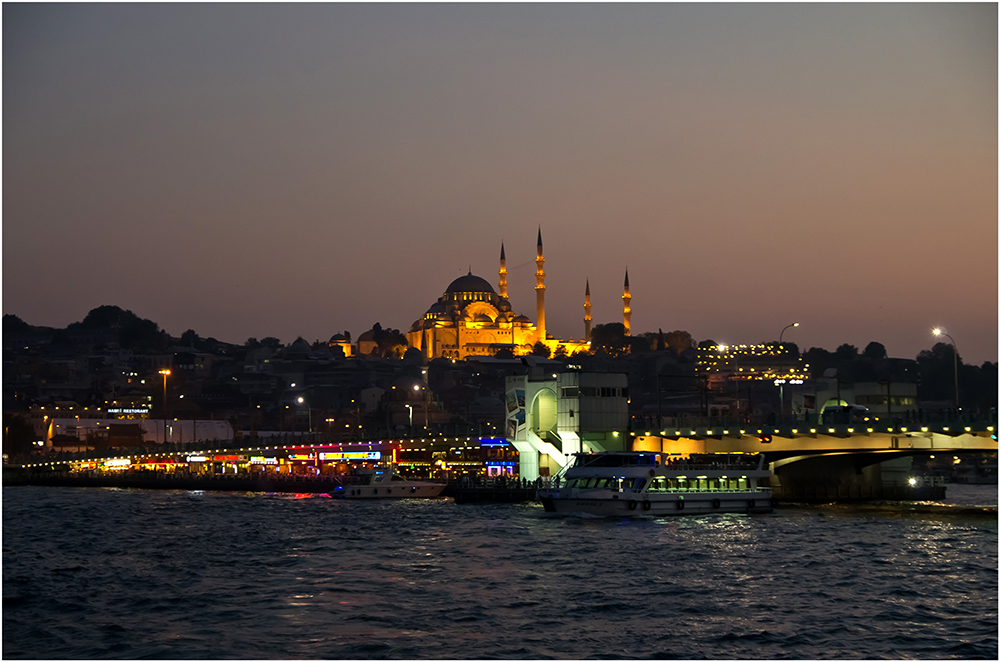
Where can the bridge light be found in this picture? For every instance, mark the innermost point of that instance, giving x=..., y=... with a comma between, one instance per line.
x=764, y=438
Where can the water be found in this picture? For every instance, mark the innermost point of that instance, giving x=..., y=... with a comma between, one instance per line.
x=109, y=573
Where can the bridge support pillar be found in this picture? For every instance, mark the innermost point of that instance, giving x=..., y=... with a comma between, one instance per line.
x=846, y=478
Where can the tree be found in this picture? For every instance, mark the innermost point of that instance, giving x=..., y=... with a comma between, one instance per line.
x=189, y=338
x=12, y=324
x=609, y=339
x=504, y=353
x=541, y=349
x=270, y=342
x=104, y=317
x=638, y=344
x=875, y=351
x=18, y=435
x=389, y=343
x=679, y=341
x=846, y=352
x=252, y=343
x=142, y=334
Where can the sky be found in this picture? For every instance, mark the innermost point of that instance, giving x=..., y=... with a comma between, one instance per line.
x=253, y=170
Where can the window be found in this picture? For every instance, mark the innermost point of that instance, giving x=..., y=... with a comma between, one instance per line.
x=570, y=392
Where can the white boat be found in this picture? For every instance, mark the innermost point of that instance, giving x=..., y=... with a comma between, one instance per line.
x=630, y=484
x=385, y=483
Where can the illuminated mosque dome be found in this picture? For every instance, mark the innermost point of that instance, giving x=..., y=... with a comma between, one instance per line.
x=469, y=283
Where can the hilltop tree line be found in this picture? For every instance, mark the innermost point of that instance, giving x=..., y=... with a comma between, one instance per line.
x=933, y=369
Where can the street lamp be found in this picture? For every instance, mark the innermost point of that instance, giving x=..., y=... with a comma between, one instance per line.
x=781, y=387
x=165, y=374
x=782, y=334
x=954, y=353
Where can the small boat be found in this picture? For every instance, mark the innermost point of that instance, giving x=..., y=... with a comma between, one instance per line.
x=630, y=484
x=384, y=483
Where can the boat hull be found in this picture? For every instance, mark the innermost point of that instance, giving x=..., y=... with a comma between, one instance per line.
x=656, y=505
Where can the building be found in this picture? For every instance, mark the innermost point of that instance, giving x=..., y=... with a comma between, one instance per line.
x=550, y=416
x=473, y=319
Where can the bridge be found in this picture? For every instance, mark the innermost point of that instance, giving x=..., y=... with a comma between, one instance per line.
x=838, y=459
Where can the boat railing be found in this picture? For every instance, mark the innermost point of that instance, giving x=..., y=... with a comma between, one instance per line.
x=710, y=466
x=689, y=490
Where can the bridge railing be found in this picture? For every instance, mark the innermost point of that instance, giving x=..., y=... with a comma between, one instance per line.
x=954, y=422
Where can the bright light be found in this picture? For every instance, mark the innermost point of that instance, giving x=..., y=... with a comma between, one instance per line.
x=913, y=481
x=300, y=400
x=936, y=332
x=416, y=388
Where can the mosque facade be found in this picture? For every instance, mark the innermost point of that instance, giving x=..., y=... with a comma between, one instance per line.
x=473, y=319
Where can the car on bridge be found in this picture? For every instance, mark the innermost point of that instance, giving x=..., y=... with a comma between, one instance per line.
x=846, y=414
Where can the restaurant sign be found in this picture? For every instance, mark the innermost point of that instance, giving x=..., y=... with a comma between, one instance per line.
x=352, y=455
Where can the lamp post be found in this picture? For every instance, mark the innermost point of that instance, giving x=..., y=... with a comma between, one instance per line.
x=165, y=374
x=781, y=387
x=782, y=334
x=954, y=354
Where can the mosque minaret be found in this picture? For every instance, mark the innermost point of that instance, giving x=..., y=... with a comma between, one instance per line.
x=586, y=313
x=627, y=312
x=540, y=290
x=503, y=271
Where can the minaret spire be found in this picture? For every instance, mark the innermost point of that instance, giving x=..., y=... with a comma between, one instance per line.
x=627, y=313
x=586, y=313
x=540, y=288
x=503, y=273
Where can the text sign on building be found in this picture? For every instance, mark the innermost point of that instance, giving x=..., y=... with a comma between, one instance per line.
x=300, y=458
x=352, y=455
x=258, y=459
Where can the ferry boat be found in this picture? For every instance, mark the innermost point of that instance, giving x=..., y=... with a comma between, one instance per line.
x=385, y=483
x=631, y=484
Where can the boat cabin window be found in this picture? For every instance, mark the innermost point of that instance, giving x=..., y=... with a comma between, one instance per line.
x=629, y=460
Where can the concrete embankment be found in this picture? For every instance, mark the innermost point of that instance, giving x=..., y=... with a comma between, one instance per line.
x=295, y=484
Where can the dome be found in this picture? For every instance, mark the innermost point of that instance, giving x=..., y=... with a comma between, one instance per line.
x=470, y=283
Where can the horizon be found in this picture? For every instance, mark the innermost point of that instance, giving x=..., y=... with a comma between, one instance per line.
x=302, y=170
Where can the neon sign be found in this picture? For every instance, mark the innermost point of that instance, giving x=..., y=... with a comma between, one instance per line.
x=352, y=455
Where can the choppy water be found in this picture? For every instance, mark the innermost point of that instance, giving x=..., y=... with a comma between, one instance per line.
x=107, y=573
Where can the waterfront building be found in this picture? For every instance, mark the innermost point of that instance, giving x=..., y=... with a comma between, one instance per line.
x=551, y=415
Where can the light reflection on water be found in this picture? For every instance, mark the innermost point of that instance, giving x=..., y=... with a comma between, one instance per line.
x=129, y=574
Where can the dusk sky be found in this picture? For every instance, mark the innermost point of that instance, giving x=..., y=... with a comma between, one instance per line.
x=300, y=170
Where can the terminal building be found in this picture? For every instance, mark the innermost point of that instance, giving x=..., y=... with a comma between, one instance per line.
x=550, y=416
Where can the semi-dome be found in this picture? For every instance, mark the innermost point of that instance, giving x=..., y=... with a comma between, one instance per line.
x=470, y=283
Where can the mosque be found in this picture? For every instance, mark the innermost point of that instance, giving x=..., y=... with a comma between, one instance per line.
x=472, y=319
